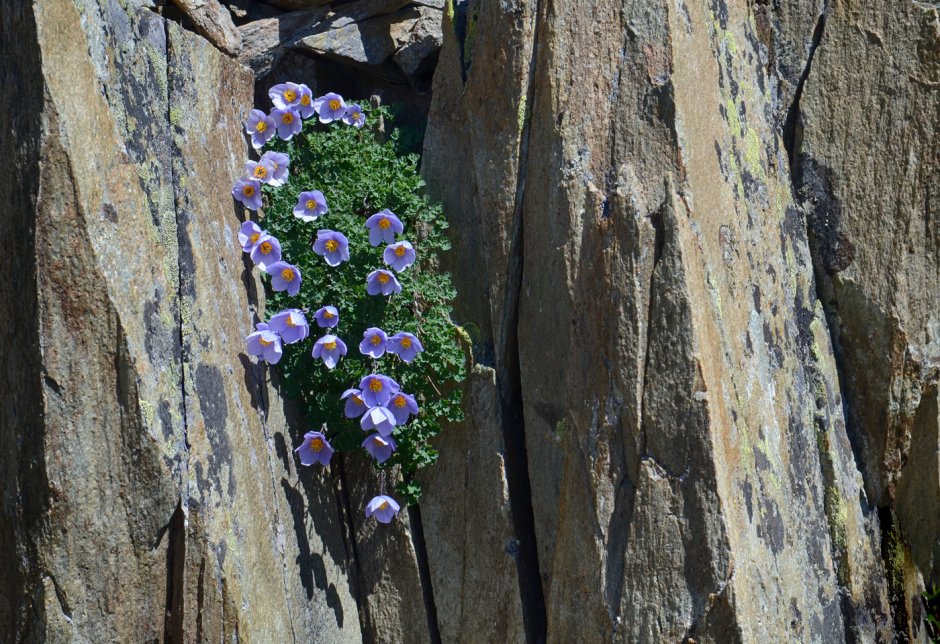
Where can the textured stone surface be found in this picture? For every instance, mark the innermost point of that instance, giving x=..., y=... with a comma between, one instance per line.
x=868, y=173
x=691, y=469
x=213, y=21
x=164, y=501
x=468, y=520
x=387, y=37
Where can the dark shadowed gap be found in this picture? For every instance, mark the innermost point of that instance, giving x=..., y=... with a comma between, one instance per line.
x=24, y=484
x=175, y=566
x=509, y=385
x=792, y=127
x=893, y=552
x=424, y=572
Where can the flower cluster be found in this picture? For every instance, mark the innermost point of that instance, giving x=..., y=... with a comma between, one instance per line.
x=378, y=402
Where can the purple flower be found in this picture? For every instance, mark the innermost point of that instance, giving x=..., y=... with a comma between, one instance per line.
x=405, y=345
x=380, y=447
x=330, y=349
x=264, y=343
x=248, y=191
x=330, y=107
x=402, y=406
x=260, y=171
x=310, y=205
x=332, y=246
x=266, y=251
x=284, y=277
x=285, y=96
x=377, y=389
x=305, y=106
x=399, y=256
x=291, y=324
x=373, y=342
x=288, y=123
x=281, y=163
x=327, y=317
x=383, y=508
x=381, y=281
x=261, y=128
x=315, y=449
x=383, y=226
x=354, y=116
x=248, y=235
x=354, y=404
x=380, y=419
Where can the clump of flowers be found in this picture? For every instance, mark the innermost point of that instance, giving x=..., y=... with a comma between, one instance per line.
x=351, y=247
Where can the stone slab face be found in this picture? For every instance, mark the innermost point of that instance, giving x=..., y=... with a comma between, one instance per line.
x=150, y=486
x=633, y=258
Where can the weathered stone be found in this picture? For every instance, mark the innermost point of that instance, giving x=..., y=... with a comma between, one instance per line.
x=213, y=21
x=148, y=475
x=265, y=41
x=667, y=364
x=371, y=41
x=867, y=168
x=294, y=5
x=468, y=523
x=417, y=39
x=391, y=592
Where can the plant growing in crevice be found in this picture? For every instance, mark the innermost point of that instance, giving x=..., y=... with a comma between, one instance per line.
x=351, y=245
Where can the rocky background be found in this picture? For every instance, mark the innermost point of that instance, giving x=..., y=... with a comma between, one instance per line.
x=698, y=253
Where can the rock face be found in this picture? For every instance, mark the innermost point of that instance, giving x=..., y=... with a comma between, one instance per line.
x=697, y=256
x=148, y=483
x=640, y=269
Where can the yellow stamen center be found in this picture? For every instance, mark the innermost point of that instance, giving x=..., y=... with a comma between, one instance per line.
x=254, y=238
x=331, y=245
x=334, y=105
x=357, y=400
x=384, y=223
x=376, y=340
x=290, y=95
x=290, y=321
x=375, y=385
x=383, y=278
x=400, y=401
x=330, y=346
x=311, y=204
x=383, y=506
x=377, y=440
x=265, y=248
x=328, y=315
x=265, y=343
x=248, y=190
x=305, y=100
x=261, y=126
x=400, y=251
x=406, y=343
x=287, y=117
x=316, y=444
x=260, y=171
x=287, y=274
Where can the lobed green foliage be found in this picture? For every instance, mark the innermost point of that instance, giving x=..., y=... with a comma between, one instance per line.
x=360, y=176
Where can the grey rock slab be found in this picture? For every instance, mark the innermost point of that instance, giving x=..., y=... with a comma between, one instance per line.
x=213, y=21
x=467, y=518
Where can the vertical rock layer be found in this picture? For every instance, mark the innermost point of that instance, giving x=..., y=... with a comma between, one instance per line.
x=149, y=486
x=645, y=286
